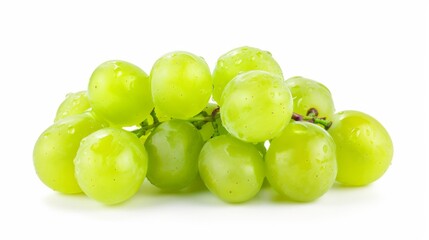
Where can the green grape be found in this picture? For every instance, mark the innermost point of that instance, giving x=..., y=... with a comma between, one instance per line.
x=120, y=92
x=173, y=149
x=364, y=148
x=231, y=169
x=308, y=94
x=110, y=165
x=75, y=103
x=56, y=148
x=241, y=60
x=181, y=84
x=300, y=163
x=257, y=106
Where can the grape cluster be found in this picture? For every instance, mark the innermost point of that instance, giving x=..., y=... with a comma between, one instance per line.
x=128, y=126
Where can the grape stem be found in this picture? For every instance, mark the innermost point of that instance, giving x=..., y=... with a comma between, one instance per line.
x=198, y=121
x=146, y=127
x=312, y=117
x=203, y=117
x=215, y=115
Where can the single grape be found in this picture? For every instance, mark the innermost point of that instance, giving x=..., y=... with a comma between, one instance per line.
x=120, y=92
x=181, y=84
x=241, y=60
x=364, y=148
x=309, y=94
x=75, y=103
x=231, y=169
x=110, y=165
x=173, y=149
x=300, y=163
x=56, y=148
x=257, y=106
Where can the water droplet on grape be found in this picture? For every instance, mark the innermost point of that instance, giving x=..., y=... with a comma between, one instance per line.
x=221, y=63
x=238, y=62
x=368, y=132
x=355, y=132
x=325, y=148
x=71, y=130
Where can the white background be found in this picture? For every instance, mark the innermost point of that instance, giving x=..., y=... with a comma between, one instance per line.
x=373, y=55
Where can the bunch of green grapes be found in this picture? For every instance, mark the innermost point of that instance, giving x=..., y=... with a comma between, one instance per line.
x=128, y=126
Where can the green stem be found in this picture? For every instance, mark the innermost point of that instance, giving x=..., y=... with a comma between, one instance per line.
x=198, y=121
x=155, y=118
x=143, y=130
x=312, y=118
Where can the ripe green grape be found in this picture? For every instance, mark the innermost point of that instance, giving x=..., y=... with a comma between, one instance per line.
x=364, y=148
x=181, y=84
x=241, y=60
x=308, y=94
x=173, y=149
x=56, y=148
x=300, y=163
x=75, y=103
x=257, y=106
x=231, y=169
x=120, y=92
x=110, y=165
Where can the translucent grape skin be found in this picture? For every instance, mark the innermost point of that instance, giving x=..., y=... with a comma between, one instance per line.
x=308, y=94
x=257, y=106
x=231, y=169
x=56, y=148
x=181, y=84
x=173, y=149
x=120, y=93
x=110, y=165
x=364, y=148
x=75, y=103
x=300, y=163
x=238, y=61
